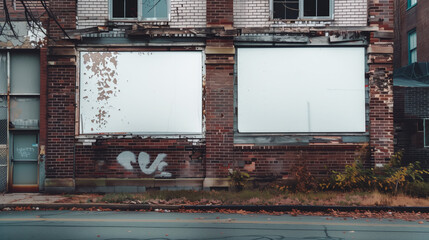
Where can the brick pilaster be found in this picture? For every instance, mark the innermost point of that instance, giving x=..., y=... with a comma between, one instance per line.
x=219, y=12
x=380, y=54
x=61, y=79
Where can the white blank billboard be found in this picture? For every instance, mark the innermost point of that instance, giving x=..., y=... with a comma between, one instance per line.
x=301, y=90
x=141, y=92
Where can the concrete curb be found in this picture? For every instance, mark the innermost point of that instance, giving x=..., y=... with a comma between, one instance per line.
x=252, y=208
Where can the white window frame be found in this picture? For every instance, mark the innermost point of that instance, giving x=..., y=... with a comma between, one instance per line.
x=411, y=3
x=425, y=128
x=301, y=12
x=139, y=17
x=412, y=50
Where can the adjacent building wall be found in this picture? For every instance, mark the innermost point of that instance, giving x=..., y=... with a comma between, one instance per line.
x=411, y=108
x=407, y=19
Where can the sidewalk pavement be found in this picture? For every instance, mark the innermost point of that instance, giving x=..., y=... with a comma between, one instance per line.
x=30, y=198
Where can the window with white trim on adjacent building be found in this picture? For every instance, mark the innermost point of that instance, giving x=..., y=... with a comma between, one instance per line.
x=411, y=3
x=302, y=9
x=412, y=46
x=142, y=10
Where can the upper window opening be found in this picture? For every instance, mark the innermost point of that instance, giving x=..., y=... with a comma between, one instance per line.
x=140, y=9
x=426, y=132
x=302, y=9
x=124, y=9
x=411, y=3
x=412, y=46
x=155, y=9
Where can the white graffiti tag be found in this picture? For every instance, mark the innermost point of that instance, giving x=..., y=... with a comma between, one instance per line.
x=127, y=157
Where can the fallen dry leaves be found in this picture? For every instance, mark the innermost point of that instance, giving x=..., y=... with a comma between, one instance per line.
x=330, y=214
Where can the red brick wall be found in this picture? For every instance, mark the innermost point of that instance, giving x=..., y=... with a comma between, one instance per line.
x=278, y=161
x=17, y=12
x=380, y=54
x=65, y=12
x=100, y=160
x=61, y=113
x=217, y=153
x=43, y=95
x=220, y=12
x=219, y=109
x=61, y=96
x=407, y=20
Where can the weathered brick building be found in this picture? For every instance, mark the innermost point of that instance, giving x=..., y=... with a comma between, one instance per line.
x=411, y=80
x=172, y=94
x=411, y=32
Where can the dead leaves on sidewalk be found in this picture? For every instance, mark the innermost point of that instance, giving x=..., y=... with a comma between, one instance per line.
x=422, y=218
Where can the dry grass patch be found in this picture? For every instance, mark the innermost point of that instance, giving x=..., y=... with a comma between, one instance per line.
x=252, y=197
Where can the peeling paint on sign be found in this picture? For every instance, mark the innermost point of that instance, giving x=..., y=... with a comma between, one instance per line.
x=101, y=67
x=127, y=157
x=141, y=92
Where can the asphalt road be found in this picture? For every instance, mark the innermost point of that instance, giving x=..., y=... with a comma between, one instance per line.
x=156, y=225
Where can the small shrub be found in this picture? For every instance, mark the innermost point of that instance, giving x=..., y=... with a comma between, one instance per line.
x=354, y=177
x=395, y=176
x=392, y=178
x=238, y=179
x=304, y=181
x=418, y=189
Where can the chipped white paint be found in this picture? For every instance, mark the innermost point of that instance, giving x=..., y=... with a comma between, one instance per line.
x=36, y=36
x=127, y=157
x=141, y=92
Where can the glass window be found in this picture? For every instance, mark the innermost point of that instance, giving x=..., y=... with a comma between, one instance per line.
x=24, y=173
x=3, y=73
x=24, y=112
x=3, y=120
x=286, y=9
x=296, y=9
x=25, y=147
x=27, y=81
x=140, y=10
x=426, y=132
x=411, y=3
x=412, y=46
x=155, y=9
x=124, y=8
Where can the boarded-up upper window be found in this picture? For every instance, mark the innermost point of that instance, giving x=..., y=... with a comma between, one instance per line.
x=301, y=90
x=141, y=92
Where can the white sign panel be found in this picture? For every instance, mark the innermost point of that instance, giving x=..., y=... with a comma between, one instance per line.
x=301, y=90
x=141, y=92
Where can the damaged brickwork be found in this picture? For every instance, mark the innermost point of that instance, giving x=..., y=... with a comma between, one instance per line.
x=82, y=162
x=411, y=110
x=380, y=54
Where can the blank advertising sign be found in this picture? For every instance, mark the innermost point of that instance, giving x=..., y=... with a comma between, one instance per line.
x=302, y=90
x=141, y=92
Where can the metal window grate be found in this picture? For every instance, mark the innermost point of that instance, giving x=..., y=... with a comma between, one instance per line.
x=3, y=121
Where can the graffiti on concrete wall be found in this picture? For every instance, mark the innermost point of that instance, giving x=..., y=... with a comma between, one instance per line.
x=143, y=160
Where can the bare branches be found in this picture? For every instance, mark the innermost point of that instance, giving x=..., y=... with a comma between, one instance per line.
x=53, y=17
x=7, y=20
x=33, y=20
